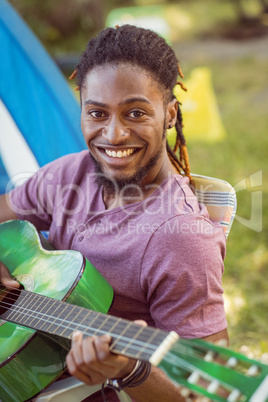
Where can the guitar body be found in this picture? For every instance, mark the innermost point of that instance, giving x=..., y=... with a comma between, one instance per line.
x=30, y=361
x=63, y=293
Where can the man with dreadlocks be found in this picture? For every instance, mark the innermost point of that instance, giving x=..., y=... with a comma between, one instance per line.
x=127, y=206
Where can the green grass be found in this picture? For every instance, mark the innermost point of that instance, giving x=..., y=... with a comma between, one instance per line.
x=241, y=88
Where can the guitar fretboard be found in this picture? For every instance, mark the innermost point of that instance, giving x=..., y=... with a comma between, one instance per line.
x=62, y=319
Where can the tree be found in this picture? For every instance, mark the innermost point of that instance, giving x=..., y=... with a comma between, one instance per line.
x=248, y=25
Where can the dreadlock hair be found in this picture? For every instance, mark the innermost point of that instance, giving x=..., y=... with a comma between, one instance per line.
x=146, y=49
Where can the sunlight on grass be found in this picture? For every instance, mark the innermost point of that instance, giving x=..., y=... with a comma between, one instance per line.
x=241, y=87
x=233, y=304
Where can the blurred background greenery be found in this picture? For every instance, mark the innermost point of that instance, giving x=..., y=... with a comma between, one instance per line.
x=230, y=37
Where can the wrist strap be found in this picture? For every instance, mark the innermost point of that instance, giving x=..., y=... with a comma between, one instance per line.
x=137, y=376
x=136, y=367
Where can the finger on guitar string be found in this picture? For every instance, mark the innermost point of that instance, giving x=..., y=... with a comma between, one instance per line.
x=90, y=357
x=75, y=361
x=118, y=365
x=6, y=279
x=73, y=370
x=142, y=323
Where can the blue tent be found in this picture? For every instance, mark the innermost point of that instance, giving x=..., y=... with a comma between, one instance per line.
x=39, y=115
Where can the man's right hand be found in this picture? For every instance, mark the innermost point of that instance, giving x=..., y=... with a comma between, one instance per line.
x=6, y=279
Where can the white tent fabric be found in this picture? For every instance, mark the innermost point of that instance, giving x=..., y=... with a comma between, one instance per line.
x=36, y=101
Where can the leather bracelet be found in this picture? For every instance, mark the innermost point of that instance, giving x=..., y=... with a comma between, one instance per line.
x=133, y=372
x=137, y=376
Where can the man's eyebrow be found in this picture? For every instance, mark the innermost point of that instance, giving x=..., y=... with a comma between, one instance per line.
x=135, y=99
x=96, y=103
x=125, y=102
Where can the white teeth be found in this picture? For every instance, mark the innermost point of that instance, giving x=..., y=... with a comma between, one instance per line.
x=119, y=154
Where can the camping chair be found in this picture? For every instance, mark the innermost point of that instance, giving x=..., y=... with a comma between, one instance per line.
x=219, y=197
x=220, y=200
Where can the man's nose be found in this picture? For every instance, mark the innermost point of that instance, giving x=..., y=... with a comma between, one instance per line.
x=115, y=132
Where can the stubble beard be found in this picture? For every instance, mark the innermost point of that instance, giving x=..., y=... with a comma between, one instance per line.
x=131, y=185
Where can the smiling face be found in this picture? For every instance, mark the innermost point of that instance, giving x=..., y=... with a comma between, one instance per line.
x=123, y=121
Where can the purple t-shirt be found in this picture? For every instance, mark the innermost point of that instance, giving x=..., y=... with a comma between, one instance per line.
x=163, y=255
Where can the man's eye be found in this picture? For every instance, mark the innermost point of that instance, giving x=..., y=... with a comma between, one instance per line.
x=96, y=113
x=136, y=113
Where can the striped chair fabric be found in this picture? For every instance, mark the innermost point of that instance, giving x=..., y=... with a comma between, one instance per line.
x=219, y=197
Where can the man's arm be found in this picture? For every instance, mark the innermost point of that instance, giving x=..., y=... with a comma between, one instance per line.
x=91, y=362
x=219, y=336
x=6, y=213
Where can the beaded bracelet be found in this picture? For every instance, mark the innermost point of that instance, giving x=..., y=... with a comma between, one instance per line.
x=137, y=376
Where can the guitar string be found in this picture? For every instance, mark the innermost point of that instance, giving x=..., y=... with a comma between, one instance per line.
x=46, y=318
x=135, y=344
x=169, y=357
x=124, y=340
x=88, y=312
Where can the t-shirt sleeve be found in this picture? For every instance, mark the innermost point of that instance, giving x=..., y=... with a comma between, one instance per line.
x=182, y=276
x=39, y=199
x=31, y=201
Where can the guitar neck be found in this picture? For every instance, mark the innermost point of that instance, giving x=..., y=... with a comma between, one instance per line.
x=194, y=364
x=55, y=317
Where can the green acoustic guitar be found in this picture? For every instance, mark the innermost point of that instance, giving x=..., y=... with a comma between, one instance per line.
x=64, y=292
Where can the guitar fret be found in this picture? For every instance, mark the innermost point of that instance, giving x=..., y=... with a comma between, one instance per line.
x=98, y=325
x=54, y=327
x=133, y=340
x=66, y=318
x=52, y=303
x=137, y=343
x=107, y=325
x=18, y=309
x=154, y=334
x=130, y=345
x=13, y=312
x=99, y=328
x=78, y=322
x=88, y=324
x=83, y=324
x=30, y=307
x=56, y=323
x=43, y=312
x=112, y=328
x=60, y=318
x=115, y=342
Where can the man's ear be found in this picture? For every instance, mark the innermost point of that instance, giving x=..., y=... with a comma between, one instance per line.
x=171, y=113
